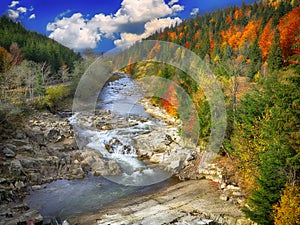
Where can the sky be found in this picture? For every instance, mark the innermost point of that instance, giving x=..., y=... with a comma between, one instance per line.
x=105, y=24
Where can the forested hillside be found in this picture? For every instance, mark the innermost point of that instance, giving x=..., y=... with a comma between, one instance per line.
x=254, y=51
x=29, y=63
x=33, y=46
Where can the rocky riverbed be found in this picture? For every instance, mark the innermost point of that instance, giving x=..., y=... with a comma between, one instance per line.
x=190, y=202
x=44, y=150
x=45, y=147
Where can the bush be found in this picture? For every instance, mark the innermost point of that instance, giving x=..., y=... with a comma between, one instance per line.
x=53, y=97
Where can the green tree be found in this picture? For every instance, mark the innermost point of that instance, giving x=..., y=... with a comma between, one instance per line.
x=255, y=59
x=279, y=155
x=275, y=60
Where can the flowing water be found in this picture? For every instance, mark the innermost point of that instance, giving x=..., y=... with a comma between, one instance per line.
x=62, y=199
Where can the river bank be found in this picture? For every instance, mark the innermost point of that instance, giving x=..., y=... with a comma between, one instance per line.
x=42, y=149
x=189, y=202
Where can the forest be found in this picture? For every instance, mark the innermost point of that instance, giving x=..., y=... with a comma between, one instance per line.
x=29, y=64
x=253, y=50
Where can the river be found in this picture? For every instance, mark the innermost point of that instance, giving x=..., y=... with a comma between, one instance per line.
x=59, y=200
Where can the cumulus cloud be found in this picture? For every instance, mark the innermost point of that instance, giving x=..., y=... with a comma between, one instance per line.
x=177, y=8
x=13, y=4
x=31, y=17
x=74, y=32
x=172, y=2
x=13, y=14
x=128, y=39
x=132, y=22
x=194, y=12
x=22, y=9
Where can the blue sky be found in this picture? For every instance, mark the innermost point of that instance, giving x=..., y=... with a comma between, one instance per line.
x=105, y=24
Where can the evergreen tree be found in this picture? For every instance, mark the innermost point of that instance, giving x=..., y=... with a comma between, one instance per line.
x=255, y=59
x=279, y=159
x=275, y=60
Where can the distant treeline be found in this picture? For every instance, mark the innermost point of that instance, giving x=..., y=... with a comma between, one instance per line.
x=34, y=46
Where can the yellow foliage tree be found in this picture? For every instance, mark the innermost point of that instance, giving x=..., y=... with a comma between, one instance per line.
x=287, y=212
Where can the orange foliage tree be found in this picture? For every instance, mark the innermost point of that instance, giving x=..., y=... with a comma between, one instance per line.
x=266, y=38
x=289, y=32
x=250, y=33
x=170, y=101
x=238, y=14
x=231, y=35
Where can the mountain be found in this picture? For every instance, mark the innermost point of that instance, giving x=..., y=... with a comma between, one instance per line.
x=34, y=46
x=238, y=29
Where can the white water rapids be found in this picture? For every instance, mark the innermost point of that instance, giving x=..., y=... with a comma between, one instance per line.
x=62, y=199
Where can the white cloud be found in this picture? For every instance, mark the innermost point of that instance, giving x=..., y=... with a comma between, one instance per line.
x=132, y=22
x=13, y=4
x=22, y=9
x=194, y=12
x=31, y=17
x=13, y=14
x=61, y=15
x=31, y=8
x=74, y=32
x=177, y=8
x=172, y=2
x=128, y=39
x=143, y=10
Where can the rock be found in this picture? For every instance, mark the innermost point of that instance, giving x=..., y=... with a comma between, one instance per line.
x=56, y=147
x=20, y=134
x=234, y=188
x=223, y=185
x=157, y=158
x=36, y=187
x=8, y=152
x=174, y=165
x=16, y=165
x=11, y=146
x=21, y=206
x=19, y=142
x=38, y=136
x=19, y=185
x=25, y=148
x=53, y=134
x=224, y=197
x=28, y=162
x=237, y=194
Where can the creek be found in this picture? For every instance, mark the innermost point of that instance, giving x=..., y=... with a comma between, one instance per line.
x=62, y=199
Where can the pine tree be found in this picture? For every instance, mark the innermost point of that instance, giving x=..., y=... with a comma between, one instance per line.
x=256, y=59
x=275, y=60
x=279, y=157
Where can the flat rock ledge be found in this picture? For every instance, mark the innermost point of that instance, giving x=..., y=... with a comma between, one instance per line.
x=189, y=202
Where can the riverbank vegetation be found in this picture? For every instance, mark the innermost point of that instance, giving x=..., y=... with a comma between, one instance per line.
x=254, y=52
x=32, y=68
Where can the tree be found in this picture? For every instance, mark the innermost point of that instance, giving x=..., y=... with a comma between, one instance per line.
x=279, y=155
x=255, y=59
x=6, y=60
x=16, y=53
x=287, y=211
x=289, y=32
x=275, y=60
x=266, y=40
